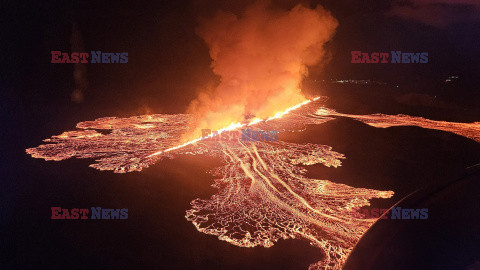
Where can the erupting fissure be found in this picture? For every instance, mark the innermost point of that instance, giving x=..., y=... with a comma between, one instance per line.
x=263, y=192
x=235, y=126
x=264, y=195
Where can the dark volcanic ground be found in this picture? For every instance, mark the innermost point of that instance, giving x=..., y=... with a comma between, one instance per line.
x=156, y=234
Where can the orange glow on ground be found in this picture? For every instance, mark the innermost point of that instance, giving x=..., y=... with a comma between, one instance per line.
x=263, y=192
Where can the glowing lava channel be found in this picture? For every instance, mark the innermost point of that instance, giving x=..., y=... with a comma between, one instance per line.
x=263, y=193
x=235, y=126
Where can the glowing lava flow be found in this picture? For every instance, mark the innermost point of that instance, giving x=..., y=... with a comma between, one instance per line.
x=468, y=130
x=235, y=126
x=263, y=193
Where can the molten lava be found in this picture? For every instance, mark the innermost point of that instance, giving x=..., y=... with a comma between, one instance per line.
x=263, y=193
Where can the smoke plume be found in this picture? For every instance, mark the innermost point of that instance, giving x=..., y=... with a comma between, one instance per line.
x=261, y=58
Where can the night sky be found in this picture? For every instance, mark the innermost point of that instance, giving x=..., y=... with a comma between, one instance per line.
x=168, y=62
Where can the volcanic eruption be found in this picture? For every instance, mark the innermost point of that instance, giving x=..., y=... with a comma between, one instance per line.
x=263, y=194
x=261, y=57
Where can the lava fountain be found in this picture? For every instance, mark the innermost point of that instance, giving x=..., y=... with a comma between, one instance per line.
x=260, y=57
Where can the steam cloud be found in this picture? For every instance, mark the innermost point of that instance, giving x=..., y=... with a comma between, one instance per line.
x=261, y=58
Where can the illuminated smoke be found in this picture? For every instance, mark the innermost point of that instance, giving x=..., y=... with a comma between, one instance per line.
x=261, y=57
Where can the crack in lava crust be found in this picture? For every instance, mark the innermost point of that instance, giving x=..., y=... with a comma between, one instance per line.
x=264, y=196
x=263, y=193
